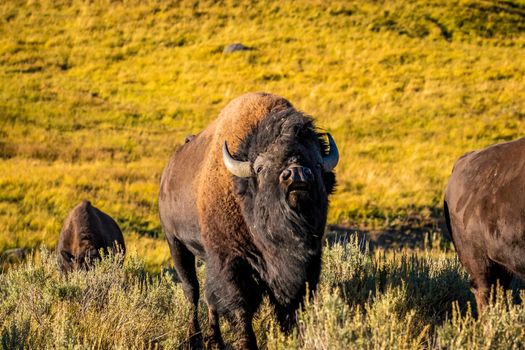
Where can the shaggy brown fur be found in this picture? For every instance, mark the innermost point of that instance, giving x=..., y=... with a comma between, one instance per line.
x=485, y=213
x=86, y=231
x=204, y=215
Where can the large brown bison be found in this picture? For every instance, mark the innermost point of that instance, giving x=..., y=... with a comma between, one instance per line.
x=485, y=214
x=256, y=216
x=86, y=231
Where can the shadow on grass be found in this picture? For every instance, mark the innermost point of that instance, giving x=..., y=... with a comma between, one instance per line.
x=430, y=281
x=430, y=287
x=408, y=232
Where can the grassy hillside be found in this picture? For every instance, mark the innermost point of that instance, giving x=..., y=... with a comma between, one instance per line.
x=95, y=96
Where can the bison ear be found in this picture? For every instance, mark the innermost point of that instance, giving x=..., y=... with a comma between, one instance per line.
x=236, y=167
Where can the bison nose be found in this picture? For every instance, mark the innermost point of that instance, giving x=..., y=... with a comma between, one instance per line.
x=296, y=174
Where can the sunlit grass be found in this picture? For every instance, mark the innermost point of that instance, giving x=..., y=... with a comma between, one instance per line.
x=365, y=301
x=95, y=96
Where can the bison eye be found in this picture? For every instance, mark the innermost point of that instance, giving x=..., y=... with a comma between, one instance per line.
x=258, y=169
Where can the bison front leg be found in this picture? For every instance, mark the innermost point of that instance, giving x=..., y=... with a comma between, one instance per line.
x=184, y=262
x=242, y=322
x=313, y=272
x=231, y=291
x=213, y=337
x=286, y=316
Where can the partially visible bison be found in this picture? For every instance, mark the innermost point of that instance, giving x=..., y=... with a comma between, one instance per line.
x=485, y=214
x=12, y=257
x=249, y=196
x=86, y=231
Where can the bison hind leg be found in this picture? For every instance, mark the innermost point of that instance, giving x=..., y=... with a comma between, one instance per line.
x=483, y=284
x=184, y=262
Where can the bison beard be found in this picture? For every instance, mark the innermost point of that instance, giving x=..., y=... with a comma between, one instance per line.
x=260, y=231
x=289, y=238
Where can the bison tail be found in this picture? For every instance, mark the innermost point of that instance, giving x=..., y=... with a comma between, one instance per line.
x=447, y=219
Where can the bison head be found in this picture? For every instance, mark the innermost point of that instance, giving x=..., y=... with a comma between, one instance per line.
x=70, y=262
x=77, y=256
x=283, y=175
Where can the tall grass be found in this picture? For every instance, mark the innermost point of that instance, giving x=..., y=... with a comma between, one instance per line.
x=108, y=307
x=365, y=301
x=94, y=96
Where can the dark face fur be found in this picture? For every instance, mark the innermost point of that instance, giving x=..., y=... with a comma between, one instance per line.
x=288, y=189
x=84, y=257
x=70, y=262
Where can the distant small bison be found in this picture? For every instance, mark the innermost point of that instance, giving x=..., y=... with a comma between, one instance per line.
x=12, y=257
x=86, y=231
x=255, y=216
x=485, y=214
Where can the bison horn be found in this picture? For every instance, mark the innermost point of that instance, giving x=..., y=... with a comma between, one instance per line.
x=236, y=167
x=331, y=160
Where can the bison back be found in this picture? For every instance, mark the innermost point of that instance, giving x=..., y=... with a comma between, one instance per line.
x=485, y=199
